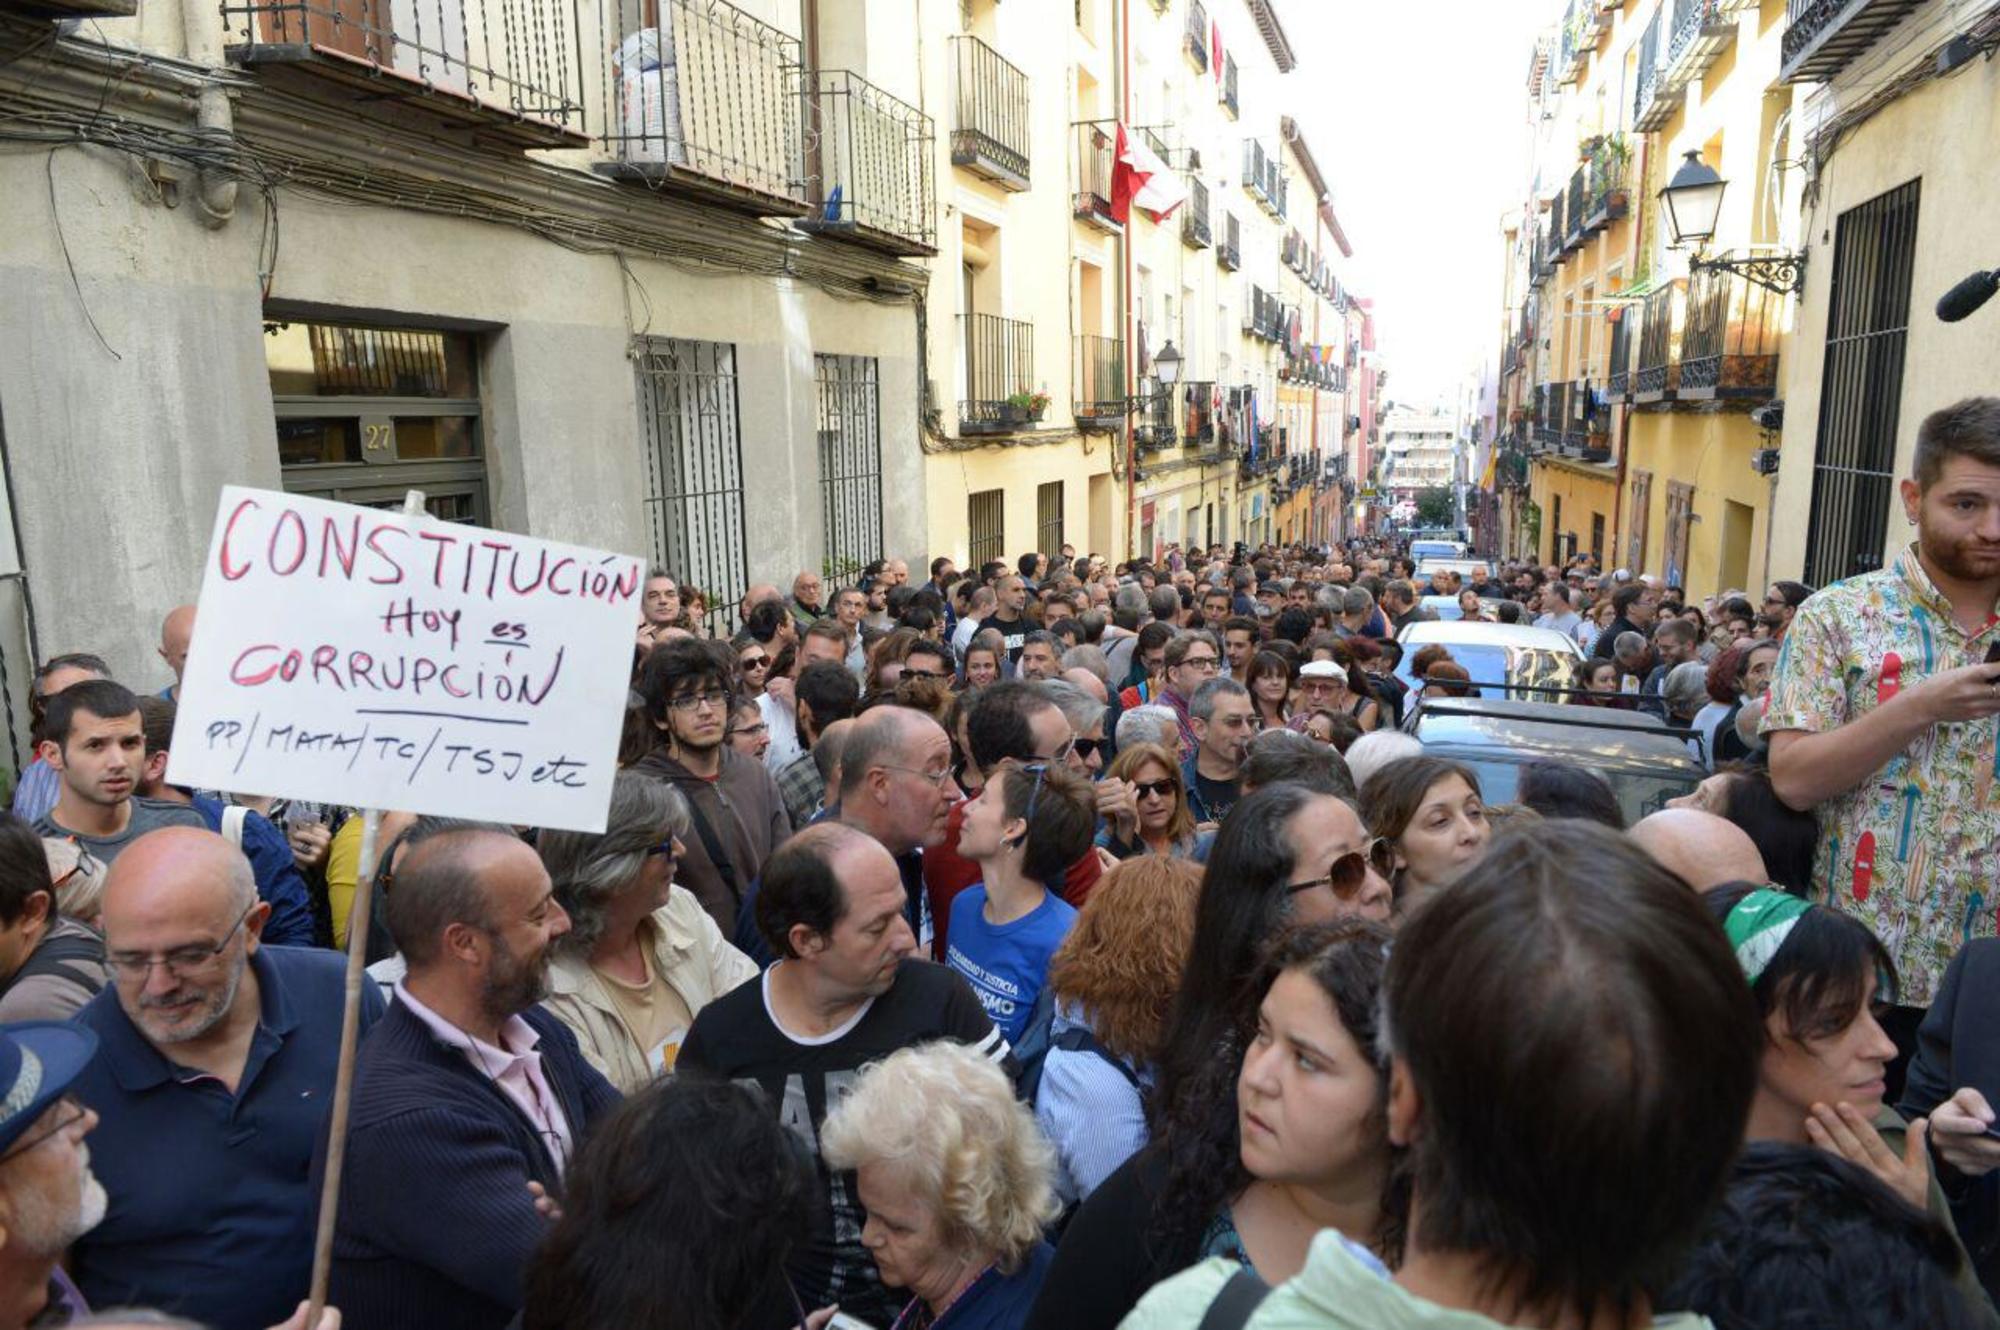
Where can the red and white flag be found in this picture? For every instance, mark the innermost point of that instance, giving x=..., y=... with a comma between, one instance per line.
x=1139, y=176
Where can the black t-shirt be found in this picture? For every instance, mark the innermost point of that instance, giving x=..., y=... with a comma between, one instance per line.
x=736, y=1038
x=1113, y=1250
x=1013, y=633
x=1217, y=796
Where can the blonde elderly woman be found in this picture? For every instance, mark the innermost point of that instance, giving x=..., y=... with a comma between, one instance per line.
x=642, y=956
x=956, y=1180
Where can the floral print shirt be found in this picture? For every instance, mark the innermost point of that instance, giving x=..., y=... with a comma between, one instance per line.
x=1913, y=850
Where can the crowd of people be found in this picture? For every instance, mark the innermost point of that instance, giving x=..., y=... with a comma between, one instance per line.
x=1061, y=944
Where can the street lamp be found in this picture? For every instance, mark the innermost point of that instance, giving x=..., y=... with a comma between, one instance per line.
x=1693, y=201
x=1167, y=365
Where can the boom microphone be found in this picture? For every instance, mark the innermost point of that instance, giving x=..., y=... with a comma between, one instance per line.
x=1968, y=295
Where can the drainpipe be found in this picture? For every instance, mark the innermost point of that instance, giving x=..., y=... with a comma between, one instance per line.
x=215, y=190
x=1121, y=38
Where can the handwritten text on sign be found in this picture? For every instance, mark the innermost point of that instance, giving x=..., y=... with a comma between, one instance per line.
x=355, y=656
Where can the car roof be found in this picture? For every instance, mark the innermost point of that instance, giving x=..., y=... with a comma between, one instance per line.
x=1424, y=631
x=1594, y=736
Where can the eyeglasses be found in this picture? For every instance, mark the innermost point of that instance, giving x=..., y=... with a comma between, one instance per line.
x=1349, y=873
x=759, y=728
x=1162, y=788
x=1086, y=748
x=755, y=662
x=179, y=961
x=664, y=850
x=61, y=1125
x=695, y=701
x=923, y=674
x=941, y=776
x=1040, y=770
x=1203, y=662
x=1063, y=752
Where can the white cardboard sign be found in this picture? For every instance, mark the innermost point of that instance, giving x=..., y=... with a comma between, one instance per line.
x=364, y=657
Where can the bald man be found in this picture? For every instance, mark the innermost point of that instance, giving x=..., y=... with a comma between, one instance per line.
x=176, y=631
x=214, y=1073
x=1703, y=850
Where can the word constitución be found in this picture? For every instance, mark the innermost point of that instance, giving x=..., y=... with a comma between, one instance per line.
x=382, y=551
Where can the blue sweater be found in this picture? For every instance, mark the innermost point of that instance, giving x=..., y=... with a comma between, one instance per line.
x=436, y=1224
x=278, y=879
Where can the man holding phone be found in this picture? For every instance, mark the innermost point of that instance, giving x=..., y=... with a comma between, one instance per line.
x=1881, y=718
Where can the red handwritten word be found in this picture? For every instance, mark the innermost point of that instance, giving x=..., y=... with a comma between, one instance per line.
x=354, y=671
x=381, y=551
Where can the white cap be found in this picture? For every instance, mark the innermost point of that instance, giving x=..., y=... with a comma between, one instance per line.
x=1321, y=669
x=1621, y=575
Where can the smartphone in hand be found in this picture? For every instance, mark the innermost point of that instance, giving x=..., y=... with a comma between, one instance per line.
x=1993, y=653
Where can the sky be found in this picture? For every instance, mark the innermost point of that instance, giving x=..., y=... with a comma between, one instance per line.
x=1416, y=111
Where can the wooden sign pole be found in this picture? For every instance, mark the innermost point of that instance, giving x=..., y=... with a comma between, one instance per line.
x=343, y=1081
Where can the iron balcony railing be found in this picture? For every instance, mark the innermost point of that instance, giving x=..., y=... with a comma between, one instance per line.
x=1609, y=200
x=1097, y=393
x=1194, y=217
x=1618, y=382
x=1198, y=416
x=1558, y=230
x=514, y=67
x=1574, y=204
x=1091, y=199
x=701, y=95
x=999, y=374
x=1194, y=39
x=870, y=166
x=1157, y=419
x=1229, y=254
x=1229, y=101
x=990, y=135
x=1657, y=375
x=1700, y=33
x=1653, y=103
x=1823, y=36
x=1729, y=350
x=1552, y=411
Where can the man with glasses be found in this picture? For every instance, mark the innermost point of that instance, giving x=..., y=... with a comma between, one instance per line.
x=738, y=813
x=466, y=1095
x=1190, y=661
x=1224, y=721
x=214, y=1074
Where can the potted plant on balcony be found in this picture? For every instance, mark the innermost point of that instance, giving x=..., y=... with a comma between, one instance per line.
x=1025, y=407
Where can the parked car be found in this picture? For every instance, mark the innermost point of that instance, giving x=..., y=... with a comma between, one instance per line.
x=1496, y=655
x=1469, y=570
x=1436, y=549
x=1447, y=610
x=1644, y=760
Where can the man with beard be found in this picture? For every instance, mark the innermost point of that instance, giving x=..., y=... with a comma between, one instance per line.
x=1881, y=718
x=466, y=1093
x=48, y=1196
x=214, y=1073
x=850, y=989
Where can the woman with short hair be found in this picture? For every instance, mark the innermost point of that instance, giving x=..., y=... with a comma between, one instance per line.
x=956, y=1182
x=1428, y=819
x=642, y=956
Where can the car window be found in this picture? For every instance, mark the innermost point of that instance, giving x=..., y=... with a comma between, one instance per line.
x=1638, y=795
x=1492, y=663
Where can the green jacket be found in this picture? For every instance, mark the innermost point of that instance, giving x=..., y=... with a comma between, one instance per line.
x=1334, y=1292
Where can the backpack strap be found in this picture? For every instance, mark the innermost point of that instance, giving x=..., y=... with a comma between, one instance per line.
x=717, y=856
x=59, y=956
x=1078, y=1039
x=1237, y=1302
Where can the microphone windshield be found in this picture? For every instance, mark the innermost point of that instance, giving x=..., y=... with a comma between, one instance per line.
x=1968, y=296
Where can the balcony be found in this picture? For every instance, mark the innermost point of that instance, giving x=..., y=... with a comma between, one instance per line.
x=1000, y=395
x=1090, y=202
x=1558, y=230
x=870, y=167
x=1574, y=203
x=1700, y=33
x=990, y=135
x=509, y=70
x=1608, y=200
x=1198, y=416
x=1654, y=103
x=1823, y=36
x=1194, y=217
x=1097, y=391
x=1229, y=254
x=1618, y=383
x=1229, y=100
x=1729, y=351
x=1195, y=37
x=1551, y=414
x=1657, y=377
x=706, y=103
x=1155, y=430
x=1264, y=178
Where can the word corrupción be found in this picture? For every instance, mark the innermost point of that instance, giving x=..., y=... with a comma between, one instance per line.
x=354, y=671
x=383, y=550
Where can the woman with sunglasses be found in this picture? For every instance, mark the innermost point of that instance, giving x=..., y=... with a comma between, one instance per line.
x=1286, y=1134
x=1429, y=823
x=642, y=956
x=1270, y=681
x=1162, y=822
x=753, y=663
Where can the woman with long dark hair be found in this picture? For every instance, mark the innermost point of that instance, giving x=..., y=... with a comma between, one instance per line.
x=1269, y=680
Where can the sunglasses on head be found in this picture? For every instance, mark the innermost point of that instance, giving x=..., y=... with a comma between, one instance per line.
x=1347, y=874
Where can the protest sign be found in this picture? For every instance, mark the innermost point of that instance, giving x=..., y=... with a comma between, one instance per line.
x=380, y=659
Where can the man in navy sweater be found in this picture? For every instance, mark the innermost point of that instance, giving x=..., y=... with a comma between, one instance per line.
x=465, y=1093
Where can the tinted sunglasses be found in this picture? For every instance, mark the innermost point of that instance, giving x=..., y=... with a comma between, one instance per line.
x=1163, y=788
x=1349, y=872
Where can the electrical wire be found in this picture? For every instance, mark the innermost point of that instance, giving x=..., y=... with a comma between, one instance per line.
x=49, y=169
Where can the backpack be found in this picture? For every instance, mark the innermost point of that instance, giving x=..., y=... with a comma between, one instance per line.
x=57, y=956
x=1038, y=1036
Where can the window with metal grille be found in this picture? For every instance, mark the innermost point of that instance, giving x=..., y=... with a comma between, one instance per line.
x=986, y=519
x=693, y=453
x=1861, y=387
x=365, y=414
x=1049, y=518
x=850, y=465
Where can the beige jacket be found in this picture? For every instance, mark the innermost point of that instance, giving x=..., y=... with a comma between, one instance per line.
x=689, y=953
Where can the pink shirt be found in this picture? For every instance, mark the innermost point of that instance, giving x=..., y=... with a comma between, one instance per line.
x=516, y=1069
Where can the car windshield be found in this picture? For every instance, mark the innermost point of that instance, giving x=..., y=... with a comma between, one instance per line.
x=1638, y=795
x=1492, y=663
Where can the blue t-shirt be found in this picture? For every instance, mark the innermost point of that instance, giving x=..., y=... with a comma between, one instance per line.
x=1006, y=964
